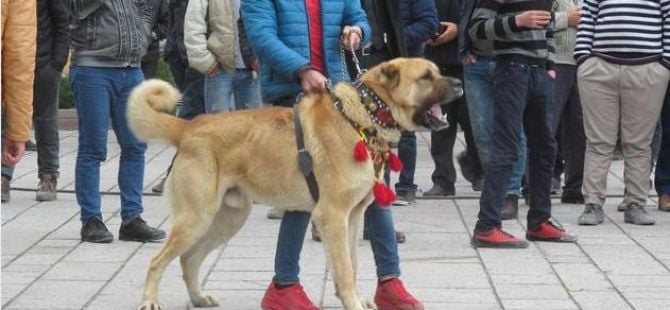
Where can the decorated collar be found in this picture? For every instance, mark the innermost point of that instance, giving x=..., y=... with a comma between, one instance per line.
x=379, y=111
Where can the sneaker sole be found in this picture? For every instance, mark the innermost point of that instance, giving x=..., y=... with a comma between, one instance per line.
x=558, y=240
x=45, y=197
x=102, y=240
x=590, y=223
x=641, y=224
x=141, y=240
x=483, y=244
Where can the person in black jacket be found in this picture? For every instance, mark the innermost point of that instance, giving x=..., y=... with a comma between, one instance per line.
x=190, y=82
x=159, y=20
x=53, y=39
x=443, y=50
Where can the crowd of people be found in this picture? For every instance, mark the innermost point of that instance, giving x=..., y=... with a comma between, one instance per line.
x=552, y=89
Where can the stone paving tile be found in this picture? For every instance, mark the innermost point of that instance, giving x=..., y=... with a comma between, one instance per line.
x=614, y=266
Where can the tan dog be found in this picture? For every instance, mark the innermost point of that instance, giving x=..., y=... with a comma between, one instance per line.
x=225, y=161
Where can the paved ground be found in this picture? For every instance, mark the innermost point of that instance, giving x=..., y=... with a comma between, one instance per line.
x=45, y=266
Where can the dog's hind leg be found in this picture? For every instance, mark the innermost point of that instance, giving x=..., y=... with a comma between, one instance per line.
x=195, y=203
x=227, y=223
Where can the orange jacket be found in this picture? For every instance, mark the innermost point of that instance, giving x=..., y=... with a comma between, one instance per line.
x=19, y=40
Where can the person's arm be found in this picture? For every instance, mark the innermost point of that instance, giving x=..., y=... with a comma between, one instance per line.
x=424, y=22
x=161, y=26
x=585, y=30
x=260, y=20
x=61, y=49
x=195, y=37
x=488, y=25
x=354, y=15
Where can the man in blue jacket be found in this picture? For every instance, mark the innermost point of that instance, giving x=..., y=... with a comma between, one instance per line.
x=295, y=59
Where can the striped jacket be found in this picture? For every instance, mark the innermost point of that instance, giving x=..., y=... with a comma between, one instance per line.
x=495, y=20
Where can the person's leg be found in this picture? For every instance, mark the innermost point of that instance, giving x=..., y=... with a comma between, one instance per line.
x=45, y=119
x=93, y=92
x=662, y=177
x=379, y=227
x=247, y=90
x=539, y=120
x=509, y=96
x=150, y=68
x=463, y=119
x=641, y=104
x=193, y=95
x=219, y=92
x=178, y=70
x=441, y=150
x=131, y=165
x=574, y=140
x=289, y=245
x=598, y=90
x=407, y=153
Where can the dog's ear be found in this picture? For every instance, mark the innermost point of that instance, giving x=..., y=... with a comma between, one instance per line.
x=390, y=75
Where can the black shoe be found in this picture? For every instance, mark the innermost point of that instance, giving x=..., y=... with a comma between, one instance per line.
x=572, y=197
x=405, y=197
x=138, y=230
x=95, y=231
x=478, y=184
x=439, y=191
x=467, y=168
x=510, y=210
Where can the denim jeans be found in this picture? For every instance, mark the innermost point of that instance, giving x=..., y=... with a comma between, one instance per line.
x=523, y=97
x=227, y=91
x=45, y=121
x=191, y=84
x=407, y=154
x=100, y=94
x=378, y=223
x=478, y=79
x=662, y=178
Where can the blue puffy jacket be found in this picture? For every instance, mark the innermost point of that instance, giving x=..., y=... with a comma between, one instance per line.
x=278, y=32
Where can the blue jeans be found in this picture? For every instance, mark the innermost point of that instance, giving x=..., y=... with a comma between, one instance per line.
x=227, y=91
x=101, y=94
x=523, y=96
x=407, y=154
x=478, y=79
x=662, y=177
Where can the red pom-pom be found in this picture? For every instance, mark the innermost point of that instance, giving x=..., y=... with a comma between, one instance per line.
x=394, y=162
x=384, y=196
x=360, y=151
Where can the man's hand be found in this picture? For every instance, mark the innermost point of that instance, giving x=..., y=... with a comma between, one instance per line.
x=312, y=81
x=446, y=36
x=469, y=59
x=552, y=73
x=351, y=37
x=533, y=19
x=213, y=70
x=12, y=151
x=574, y=16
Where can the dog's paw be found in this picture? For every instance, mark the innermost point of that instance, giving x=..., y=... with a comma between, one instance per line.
x=205, y=302
x=149, y=305
x=368, y=305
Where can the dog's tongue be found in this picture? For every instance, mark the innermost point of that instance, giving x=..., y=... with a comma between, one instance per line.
x=436, y=111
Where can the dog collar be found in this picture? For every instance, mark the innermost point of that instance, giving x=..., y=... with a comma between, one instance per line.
x=377, y=109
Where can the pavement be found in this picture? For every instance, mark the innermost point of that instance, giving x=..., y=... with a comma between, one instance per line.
x=45, y=266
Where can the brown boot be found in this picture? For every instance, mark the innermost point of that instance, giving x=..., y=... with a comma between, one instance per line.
x=664, y=202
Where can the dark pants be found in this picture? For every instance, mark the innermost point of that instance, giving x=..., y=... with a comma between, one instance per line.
x=442, y=142
x=150, y=67
x=523, y=96
x=662, y=178
x=45, y=121
x=570, y=122
x=191, y=84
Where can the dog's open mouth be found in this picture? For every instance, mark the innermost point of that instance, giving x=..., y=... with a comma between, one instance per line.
x=435, y=119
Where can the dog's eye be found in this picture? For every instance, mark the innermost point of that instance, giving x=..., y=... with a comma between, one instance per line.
x=428, y=76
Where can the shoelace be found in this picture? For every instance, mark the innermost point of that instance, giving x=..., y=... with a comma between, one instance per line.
x=504, y=233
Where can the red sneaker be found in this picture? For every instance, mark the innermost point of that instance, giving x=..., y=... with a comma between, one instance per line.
x=392, y=295
x=548, y=231
x=496, y=238
x=292, y=297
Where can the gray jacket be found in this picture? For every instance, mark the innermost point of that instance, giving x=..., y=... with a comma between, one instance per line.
x=564, y=35
x=109, y=33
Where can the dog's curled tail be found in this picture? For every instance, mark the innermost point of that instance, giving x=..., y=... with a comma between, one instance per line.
x=148, y=108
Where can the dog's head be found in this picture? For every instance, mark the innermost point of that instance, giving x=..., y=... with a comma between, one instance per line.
x=414, y=89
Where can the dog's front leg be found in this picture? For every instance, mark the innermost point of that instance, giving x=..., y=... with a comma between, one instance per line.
x=333, y=223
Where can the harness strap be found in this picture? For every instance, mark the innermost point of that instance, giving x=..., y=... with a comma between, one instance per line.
x=304, y=159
